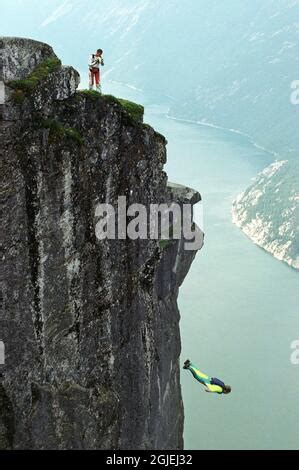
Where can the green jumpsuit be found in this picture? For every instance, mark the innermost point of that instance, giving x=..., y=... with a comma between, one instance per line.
x=204, y=379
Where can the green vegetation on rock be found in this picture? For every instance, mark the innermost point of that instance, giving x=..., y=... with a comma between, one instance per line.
x=165, y=243
x=59, y=132
x=134, y=110
x=92, y=94
x=40, y=73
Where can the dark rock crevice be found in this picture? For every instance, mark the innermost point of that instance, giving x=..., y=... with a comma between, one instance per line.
x=7, y=421
x=31, y=203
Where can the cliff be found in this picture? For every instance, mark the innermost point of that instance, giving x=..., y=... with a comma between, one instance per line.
x=268, y=211
x=90, y=327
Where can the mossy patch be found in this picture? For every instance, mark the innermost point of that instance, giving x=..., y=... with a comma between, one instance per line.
x=59, y=132
x=135, y=111
x=26, y=86
x=111, y=99
x=164, y=244
x=18, y=96
x=92, y=94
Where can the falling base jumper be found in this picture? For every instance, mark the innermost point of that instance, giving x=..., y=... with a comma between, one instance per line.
x=212, y=384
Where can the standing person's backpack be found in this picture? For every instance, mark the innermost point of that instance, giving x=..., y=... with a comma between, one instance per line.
x=91, y=61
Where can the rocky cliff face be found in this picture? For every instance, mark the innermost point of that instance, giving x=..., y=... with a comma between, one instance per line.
x=268, y=211
x=90, y=327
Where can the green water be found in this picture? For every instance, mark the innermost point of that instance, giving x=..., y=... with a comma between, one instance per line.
x=239, y=306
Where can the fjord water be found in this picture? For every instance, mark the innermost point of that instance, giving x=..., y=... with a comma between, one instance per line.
x=239, y=305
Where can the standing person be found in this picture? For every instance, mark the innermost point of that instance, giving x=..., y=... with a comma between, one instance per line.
x=95, y=62
x=212, y=384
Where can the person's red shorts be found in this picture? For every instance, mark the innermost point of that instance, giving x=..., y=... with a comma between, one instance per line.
x=94, y=76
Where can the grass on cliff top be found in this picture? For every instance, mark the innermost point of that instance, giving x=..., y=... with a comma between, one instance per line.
x=40, y=73
x=59, y=132
x=134, y=110
x=92, y=94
